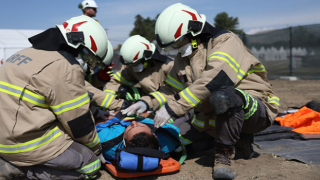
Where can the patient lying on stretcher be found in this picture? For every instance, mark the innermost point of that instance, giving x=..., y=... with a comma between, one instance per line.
x=135, y=132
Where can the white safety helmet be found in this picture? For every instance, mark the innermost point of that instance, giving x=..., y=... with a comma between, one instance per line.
x=176, y=21
x=88, y=36
x=136, y=49
x=88, y=3
x=109, y=56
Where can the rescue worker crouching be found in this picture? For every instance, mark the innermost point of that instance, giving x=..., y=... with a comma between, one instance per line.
x=215, y=74
x=143, y=66
x=47, y=126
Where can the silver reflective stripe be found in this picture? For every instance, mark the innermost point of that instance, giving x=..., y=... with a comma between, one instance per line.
x=170, y=80
x=256, y=69
x=233, y=64
x=188, y=96
x=90, y=167
x=212, y=123
x=110, y=92
x=246, y=97
x=31, y=145
x=23, y=93
x=72, y=104
x=159, y=97
x=136, y=93
x=107, y=100
x=184, y=141
x=197, y=122
x=252, y=109
x=122, y=80
x=274, y=100
x=95, y=142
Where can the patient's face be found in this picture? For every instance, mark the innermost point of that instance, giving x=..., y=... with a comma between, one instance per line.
x=134, y=128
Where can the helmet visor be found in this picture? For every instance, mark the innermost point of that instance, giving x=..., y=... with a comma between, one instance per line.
x=176, y=44
x=92, y=60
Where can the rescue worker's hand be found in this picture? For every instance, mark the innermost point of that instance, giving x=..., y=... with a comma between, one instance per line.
x=102, y=158
x=162, y=116
x=137, y=108
x=104, y=114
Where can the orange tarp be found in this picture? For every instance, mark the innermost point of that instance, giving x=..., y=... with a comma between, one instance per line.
x=304, y=121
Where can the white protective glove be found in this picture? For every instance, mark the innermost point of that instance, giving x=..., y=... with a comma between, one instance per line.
x=102, y=158
x=104, y=114
x=162, y=117
x=137, y=108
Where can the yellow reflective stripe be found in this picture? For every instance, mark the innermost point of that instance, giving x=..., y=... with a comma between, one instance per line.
x=176, y=84
x=31, y=145
x=90, y=167
x=129, y=118
x=232, y=63
x=162, y=100
x=94, y=142
x=24, y=94
x=212, y=122
x=274, y=100
x=110, y=92
x=252, y=109
x=246, y=97
x=136, y=93
x=129, y=97
x=197, y=122
x=256, y=69
x=190, y=98
x=122, y=80
x=72, y=104
x=184, y=141
x=171, y=121
x=107, y=100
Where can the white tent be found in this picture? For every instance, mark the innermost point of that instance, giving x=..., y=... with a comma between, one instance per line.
x=14, y=40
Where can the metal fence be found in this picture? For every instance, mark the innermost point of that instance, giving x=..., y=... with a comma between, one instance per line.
x=293, y=51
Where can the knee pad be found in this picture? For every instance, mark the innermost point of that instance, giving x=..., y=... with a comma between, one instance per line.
x=223, y=99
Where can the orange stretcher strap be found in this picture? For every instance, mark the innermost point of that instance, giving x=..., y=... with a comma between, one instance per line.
x=166, y=166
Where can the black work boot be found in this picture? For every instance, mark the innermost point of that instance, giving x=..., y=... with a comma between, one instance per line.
x=10, y=172
x=244, y=149
x=224, y=163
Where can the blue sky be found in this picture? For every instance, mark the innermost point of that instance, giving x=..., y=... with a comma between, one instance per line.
x=118, y=15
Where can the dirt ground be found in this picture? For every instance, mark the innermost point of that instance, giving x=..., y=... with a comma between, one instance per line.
x=265, y=166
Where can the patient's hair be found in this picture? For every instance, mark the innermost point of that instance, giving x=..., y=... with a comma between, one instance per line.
x=147, y=140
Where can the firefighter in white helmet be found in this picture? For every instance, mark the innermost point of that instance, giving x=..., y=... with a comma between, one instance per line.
x=47, y=123
x=89, y=8
x=143, y=66
x=215, y=74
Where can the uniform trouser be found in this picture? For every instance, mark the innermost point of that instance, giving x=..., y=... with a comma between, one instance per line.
x=232, y=128
x=65, y=166
x=235, y=122
x=194, y=140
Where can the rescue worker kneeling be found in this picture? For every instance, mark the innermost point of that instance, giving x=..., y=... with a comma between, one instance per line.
x=213, y=67
x=47, y=126
x=142, y=66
